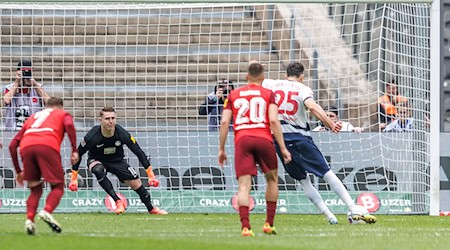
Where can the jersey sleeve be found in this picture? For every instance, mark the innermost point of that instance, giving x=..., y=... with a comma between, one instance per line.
x=84, y=146
x=306, y=93
x=272, y=98
x=130, y=141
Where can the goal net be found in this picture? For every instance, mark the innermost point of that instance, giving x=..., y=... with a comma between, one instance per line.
x=157, y=64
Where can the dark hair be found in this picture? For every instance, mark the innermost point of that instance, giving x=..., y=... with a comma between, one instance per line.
x=393, y=83
x=255, y=70
x=24, y=63
x=106, y=109
x=55, y=101
x=295, y=69
x=332, y=109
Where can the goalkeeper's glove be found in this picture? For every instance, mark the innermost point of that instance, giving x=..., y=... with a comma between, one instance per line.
x=73, y=186
x=152, y=181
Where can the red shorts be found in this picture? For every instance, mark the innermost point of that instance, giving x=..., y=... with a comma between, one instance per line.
x=250, y=150
x=42, y=161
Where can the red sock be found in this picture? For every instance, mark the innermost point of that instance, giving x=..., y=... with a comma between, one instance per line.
x=271, y=208
x=54, y=197
x=244, y=214
x=33, y=201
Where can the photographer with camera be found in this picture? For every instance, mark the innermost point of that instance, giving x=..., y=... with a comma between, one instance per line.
x=213, y=105
x=24, y=97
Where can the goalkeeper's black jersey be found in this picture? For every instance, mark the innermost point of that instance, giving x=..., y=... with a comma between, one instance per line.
x=109, y=149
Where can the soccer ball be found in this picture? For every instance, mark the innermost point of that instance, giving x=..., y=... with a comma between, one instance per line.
x=355, y=217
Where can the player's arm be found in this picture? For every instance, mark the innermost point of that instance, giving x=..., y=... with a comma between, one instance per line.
x=321, y=115
x=69, y=127
x=81, y=150
x=275, y=126
x=132, y=144
x=227, y=115
x=15, y=158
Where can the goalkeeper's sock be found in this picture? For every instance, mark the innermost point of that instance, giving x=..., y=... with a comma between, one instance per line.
x=271, y=208
x=54, y=197
x=244, y=214
x=145, y=197
x=106, y=184
x=33, y=201
x=337, y=186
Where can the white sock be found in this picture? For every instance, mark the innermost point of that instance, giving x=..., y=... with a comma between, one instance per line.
x=314, y=196
x=337, y=186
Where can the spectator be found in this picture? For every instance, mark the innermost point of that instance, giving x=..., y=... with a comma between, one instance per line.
x=213, y=105
x=388, y=103
x=404, y=122
x=333, y=114
x=24, y=97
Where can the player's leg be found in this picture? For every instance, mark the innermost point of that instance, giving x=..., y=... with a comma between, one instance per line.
x=144, y=195
x=245, y=167
x=296, y=171
x=32, y=175
x=314, y=196
x=244, y=183
x=49, y=161
x=129, y=176
x=266, y=157
x=98, y=169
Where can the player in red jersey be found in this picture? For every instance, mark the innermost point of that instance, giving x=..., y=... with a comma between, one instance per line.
x=40, y=143
x=254, y=113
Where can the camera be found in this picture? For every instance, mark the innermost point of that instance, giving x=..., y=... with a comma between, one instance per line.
x=226, y=91
x=26, y=73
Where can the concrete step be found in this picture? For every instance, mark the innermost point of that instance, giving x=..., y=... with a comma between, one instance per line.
x=256, y=38
x=215, y=28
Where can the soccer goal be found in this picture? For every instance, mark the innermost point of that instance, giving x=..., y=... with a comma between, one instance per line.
x=156, y=64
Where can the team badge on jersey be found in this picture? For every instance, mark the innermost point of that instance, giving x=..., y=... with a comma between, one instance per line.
x=117, y=143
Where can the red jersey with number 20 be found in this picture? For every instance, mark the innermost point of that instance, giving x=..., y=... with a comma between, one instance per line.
x=250, y=106
x=45, y=127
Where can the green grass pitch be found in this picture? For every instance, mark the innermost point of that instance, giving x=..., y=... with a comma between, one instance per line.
x=222, y=231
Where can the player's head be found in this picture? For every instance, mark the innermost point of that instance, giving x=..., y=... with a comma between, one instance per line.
x=332, y=113
x=255, y=73
x=108, y=118
x=55, y=102
x=25, y=67
x=295, y=70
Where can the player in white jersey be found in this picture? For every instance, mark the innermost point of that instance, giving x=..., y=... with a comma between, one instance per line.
x=294, y=99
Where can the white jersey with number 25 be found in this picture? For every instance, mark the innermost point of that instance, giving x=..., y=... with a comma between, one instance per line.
x=290, y=97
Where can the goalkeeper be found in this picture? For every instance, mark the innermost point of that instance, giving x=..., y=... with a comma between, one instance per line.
x=105, y=146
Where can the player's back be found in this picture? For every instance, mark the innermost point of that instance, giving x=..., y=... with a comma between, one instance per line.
x=45, y=127
x=250, y=106
x=290, y=97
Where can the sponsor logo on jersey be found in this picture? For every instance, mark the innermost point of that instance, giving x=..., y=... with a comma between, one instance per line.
x=99, y=146
x=249, y=92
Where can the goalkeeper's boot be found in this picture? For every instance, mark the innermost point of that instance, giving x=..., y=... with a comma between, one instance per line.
x=30, y=227
x=247, y=232
x=51, y=222
x=332, y=221
x=268, y=229
x=120, y=208
x=368, y=218
x=159, y=211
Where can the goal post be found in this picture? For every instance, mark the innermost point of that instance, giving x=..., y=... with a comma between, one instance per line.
x=156, y=63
